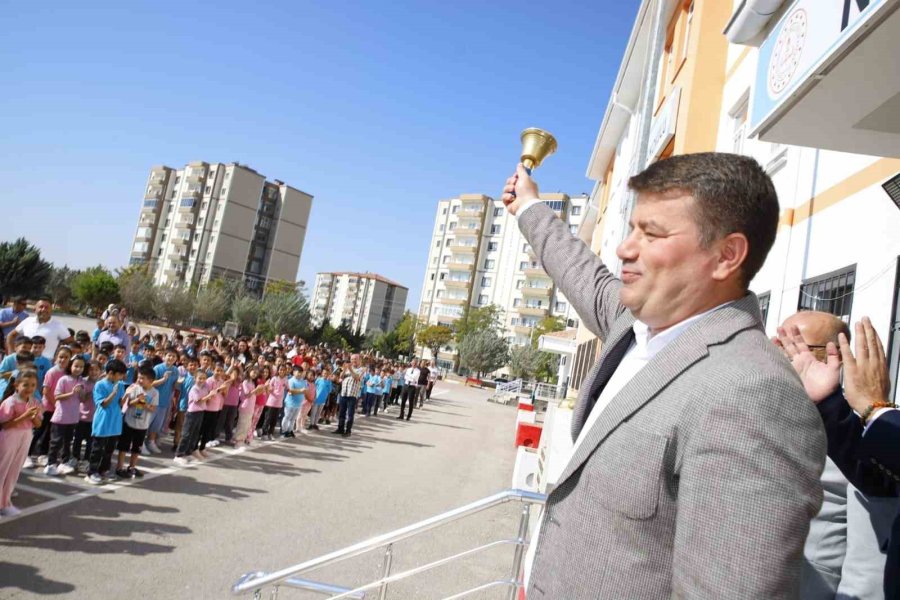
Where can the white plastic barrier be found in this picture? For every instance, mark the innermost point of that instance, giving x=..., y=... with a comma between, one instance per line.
x=525, y=472
x=526, y=416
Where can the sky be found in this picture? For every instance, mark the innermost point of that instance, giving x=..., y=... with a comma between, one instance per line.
x=377, y=109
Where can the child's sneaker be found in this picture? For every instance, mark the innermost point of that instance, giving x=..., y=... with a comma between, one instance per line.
x=181, y=461
x=134, y=473
x=51, y=470
x=93, y=479
x=42, y=460
x=153, y=448
x=123, y=474
x=73, y=462
x=9, y=511
x=65, y=469
x=29, y=463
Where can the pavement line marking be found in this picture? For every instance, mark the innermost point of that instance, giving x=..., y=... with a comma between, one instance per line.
x=90, y=491
x=38, y=491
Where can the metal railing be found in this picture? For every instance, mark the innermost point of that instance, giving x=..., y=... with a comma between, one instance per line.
x=511, y=386
x=256, y=581
x=549, y=391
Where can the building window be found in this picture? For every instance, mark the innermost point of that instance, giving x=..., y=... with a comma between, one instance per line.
x=207, y=190
x=739, y=125
x=492, y=246
x=440, y=294
x=150, y=203
x=455, y=210
x=516, y=302
x=561, y=307
x=223, y=190
x=575, y=211
x=489, y=263
x=445, y=260
x=573, y=229
x=831, y=293
x=525, y=247
x=432, y=277
x=524, y=265
x=187, y=202
x=495, y=229
x=556, y=205
x=689, y=18
x=482, y=299
x=452, y=226
x=485, y=282
x=520, y=283
x=498, y=212
x=437, y=244
x=764, y=306
x=444, y=212
x=441, y=227
x=442, y=277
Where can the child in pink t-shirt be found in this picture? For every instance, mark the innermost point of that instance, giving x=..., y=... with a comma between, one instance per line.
x=86, y=413
x=68, y=395
x=247, y=406
x=255, y=423
x=40, y=444
x=217, y=385
x=277, y=387
x=193, y=420
x=19, y=413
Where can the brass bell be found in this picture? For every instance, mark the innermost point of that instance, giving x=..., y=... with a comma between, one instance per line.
x=537, y=145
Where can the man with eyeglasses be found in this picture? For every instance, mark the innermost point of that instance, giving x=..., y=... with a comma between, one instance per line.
x=843, y=549
x=12, y=316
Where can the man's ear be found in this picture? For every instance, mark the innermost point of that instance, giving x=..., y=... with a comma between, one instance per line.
x=731, y=253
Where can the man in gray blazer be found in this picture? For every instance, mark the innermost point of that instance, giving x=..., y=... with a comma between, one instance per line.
x=697, y=456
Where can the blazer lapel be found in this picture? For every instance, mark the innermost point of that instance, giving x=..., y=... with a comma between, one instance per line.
x=679, y=355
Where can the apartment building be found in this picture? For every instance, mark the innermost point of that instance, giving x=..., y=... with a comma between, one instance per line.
x=478, y=257
x=365, y=301
x=685, y=87
x=211, y=220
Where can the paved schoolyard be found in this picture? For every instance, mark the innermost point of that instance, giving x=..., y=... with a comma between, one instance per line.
x=190, y=532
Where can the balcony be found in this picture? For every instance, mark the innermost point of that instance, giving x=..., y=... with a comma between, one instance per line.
x=460, y=266
x=467, y=232
x=530, y=251
x=533, y=311
x=523, y=329
x=534, y=270
x=180, y=241
x=157, y=179
x=536, y=291
x=460, y=284
x=475, y=211
x=458, y=301
x=150, y=204
x=464, y=248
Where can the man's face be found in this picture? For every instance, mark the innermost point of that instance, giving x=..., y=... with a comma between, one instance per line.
x=666, y=273
x=112, y=324
x=43, y=310
x=355, y=360
x=19, y=306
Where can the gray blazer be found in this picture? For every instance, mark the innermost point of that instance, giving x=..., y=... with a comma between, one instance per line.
x=701, y=476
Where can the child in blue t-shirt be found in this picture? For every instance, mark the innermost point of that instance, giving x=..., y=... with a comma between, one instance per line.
x=167, y=377
x=323, y=389
x=8, y=364
x=133, y=359
x=292, y=402
x=42, y=364
x=107, y=424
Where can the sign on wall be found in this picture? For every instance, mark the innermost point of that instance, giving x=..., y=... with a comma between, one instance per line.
x=805, y=38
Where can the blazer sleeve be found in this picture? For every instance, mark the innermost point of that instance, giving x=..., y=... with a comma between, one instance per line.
x=747, y=488
x=858, y=456
x=574, y=268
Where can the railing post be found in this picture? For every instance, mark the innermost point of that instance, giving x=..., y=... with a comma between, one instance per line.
x=520, y=550
x=386, y=571
x=274, y=595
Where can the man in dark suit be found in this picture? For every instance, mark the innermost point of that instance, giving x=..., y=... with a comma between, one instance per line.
x=862, y=425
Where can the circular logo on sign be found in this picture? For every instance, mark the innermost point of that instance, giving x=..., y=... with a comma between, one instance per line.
x=787, y=52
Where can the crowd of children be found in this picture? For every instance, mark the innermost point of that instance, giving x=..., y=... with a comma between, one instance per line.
x=98, y=406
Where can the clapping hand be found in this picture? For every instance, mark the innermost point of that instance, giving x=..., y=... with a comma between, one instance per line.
x=819, y=379
x=866, y=378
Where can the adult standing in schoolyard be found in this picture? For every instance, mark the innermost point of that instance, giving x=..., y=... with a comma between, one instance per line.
x=43, y=324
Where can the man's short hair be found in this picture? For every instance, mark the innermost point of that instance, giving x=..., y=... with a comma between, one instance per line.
x=45, y=298
x=732, y=194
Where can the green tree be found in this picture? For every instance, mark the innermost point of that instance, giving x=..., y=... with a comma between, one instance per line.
x=283, y=313
x=245, y=312
x=371, y=339
x=524, y=361
x=483, y=351
x=406, y=334
x=386, y=344
x=211, y=306
x=483, y=318
x=22, y=270
x=353, y=340
x=548, y=364
x=137, y=291
x=174, y=304
x=59, y=285
x=434, y=337
x=96, y=288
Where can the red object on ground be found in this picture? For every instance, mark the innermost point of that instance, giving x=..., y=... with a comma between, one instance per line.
x=524, y=406
x=475, y=381
x=528, y=435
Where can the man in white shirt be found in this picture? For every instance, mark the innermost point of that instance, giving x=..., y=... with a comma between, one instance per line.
x=697, y=455
x=44, y=325
x=410, y=389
